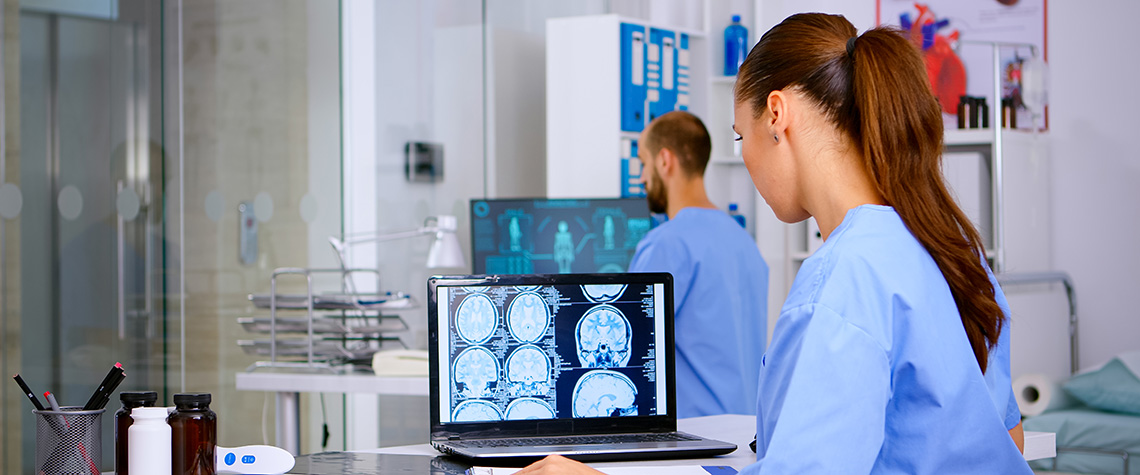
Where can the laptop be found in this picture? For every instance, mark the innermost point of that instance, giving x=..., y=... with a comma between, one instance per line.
x=580, y=365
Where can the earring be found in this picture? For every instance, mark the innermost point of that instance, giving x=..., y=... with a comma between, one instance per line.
x=777, y=137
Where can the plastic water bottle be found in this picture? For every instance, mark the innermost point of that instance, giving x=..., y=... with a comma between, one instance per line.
x=735, y=213
x=149, y=441
x=735, y=46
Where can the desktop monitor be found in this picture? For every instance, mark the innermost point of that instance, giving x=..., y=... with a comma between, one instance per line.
x=556, y=236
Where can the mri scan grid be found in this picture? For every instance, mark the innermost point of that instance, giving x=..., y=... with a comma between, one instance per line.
x=545, y=352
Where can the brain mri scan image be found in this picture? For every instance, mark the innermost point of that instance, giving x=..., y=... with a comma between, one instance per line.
x=603, y=393
x=528, y=372
x=528, y=288
x=603, y=336
x=475, y=370
x=529, y=408
x=603, y=293
x=476, y=318
x=528, y=317
x=476, y=410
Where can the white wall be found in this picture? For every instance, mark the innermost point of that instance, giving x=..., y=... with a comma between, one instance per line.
x=860, y=13
x=1093, y=111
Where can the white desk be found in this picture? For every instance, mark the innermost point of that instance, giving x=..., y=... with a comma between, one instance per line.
x=289, y=387
x=737, y=429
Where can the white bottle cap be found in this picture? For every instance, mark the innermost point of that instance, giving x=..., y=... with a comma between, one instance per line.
x=141, y=413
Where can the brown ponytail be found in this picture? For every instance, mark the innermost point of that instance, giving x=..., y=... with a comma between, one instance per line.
x=880, y=96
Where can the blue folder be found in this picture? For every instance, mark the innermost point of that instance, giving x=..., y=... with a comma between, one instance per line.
x=665, y=85
x=632, y=77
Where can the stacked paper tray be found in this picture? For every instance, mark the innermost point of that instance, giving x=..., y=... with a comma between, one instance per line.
x=322, y=350
x=330, y=325
x=381, y=301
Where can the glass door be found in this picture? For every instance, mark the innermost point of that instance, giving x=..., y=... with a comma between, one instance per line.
x=85, y=280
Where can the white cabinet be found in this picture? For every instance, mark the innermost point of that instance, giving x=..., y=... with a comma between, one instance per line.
x=1002, y=183
x=606, y=77
x=593, y=62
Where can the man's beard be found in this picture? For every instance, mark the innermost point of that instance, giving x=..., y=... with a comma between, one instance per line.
x=655, y=194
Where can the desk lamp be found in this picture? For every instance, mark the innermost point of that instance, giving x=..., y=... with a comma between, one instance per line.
x=444, y=253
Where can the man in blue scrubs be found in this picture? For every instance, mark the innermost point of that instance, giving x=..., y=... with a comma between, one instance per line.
x=720, y=280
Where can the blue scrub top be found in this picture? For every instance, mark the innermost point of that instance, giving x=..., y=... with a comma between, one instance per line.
x=870, y=369
x=720, y=308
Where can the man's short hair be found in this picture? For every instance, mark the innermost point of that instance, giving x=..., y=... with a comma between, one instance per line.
x=685, y=135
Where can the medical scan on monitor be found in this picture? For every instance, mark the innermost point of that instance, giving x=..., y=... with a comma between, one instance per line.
x=553, y=351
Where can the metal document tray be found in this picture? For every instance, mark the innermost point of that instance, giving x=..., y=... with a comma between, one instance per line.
x=322, y=350
x=328, y=325
x=381, y=301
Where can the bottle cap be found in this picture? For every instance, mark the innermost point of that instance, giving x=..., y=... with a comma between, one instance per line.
x=192, y=399
x=732, y=206
x=736, y=18
x=148, y=413
x=138, y=398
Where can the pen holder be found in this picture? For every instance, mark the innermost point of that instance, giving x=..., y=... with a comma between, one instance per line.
x=69, y=441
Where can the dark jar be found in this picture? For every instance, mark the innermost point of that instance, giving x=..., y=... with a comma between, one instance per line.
x=194, y=435
x=123, y=421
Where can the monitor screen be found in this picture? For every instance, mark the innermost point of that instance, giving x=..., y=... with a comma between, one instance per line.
x=556, y=236
x=551, y=351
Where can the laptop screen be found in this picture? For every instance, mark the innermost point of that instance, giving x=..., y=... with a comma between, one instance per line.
x=550, y=347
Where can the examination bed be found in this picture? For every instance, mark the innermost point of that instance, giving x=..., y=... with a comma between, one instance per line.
x=1089, y=440
x=1098, y=427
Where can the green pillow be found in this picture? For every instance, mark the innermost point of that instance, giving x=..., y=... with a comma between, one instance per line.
x=1113, y=388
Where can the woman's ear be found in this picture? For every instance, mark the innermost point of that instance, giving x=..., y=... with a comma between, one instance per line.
x=777, y=118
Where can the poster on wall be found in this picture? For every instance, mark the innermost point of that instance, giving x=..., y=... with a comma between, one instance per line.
x=957, y=37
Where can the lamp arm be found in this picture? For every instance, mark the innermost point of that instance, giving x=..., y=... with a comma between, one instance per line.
x=391, y=236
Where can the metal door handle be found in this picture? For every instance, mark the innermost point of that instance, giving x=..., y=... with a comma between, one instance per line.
x=120, y=238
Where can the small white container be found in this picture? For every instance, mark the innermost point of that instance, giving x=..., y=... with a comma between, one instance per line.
x=149, y=442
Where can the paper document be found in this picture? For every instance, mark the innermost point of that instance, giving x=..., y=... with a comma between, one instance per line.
x=1040, y=445
x=675, y=470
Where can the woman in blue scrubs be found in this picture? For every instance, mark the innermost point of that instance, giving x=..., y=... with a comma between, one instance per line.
x=889, y=355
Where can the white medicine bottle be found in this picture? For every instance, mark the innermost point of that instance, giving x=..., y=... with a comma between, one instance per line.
x=149, y=442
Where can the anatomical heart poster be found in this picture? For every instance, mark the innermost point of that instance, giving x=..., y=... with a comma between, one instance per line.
x=957, y=39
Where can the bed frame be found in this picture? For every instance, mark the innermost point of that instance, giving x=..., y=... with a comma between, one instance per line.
x=1063, y=278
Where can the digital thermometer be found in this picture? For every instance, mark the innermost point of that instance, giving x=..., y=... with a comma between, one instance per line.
x=260, y=459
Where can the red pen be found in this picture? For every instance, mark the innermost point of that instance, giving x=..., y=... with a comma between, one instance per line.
x=82, y=450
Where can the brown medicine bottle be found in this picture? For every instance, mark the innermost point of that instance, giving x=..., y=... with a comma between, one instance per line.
x=194, y=435
x=123, y=420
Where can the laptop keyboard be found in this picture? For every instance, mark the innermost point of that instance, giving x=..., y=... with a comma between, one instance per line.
x=574, y=440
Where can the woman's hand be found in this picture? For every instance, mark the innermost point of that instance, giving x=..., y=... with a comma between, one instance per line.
x=556, y=465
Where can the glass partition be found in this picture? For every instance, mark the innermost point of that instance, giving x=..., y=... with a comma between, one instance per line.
x=159, y=160
x=259, y=94
x=82, y=234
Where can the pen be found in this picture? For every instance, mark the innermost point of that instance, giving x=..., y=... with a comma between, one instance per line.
x=111, y=389
x=55, y=406
x=82, y=450
x=101, y=391
x=28, y=391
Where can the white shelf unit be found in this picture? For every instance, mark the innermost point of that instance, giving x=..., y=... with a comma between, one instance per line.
x=719, y=121
x=1001, y=181
x=584, y=99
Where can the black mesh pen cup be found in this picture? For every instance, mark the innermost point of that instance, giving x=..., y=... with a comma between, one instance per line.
x=68, y=441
